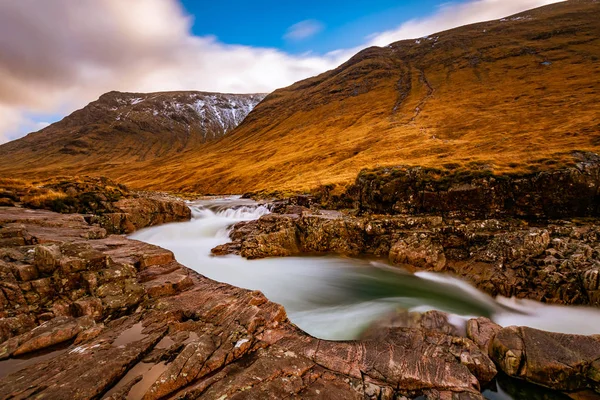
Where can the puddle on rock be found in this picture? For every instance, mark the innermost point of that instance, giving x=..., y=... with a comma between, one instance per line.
x=129, y=335
x=150, y=373
x=165, y=343
x=12, y=365
x=192, y=338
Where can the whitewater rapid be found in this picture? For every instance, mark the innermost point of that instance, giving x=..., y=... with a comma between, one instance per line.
x=322, y=295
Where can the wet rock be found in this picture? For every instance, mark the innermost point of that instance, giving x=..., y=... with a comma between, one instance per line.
x=277, y=238
x=559, y=361
x=84, y=371
x=187, y=367
x=482, y=331
x=431, y=320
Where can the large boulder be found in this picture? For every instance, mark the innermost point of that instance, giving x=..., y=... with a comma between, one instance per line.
x=559, y=361
x=130, y=214
x=482, y=331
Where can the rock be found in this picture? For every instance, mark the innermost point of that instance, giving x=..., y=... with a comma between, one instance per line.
x=566, y=192
x=26, y=272
x=591, y=283
x=155, y=257
x=187, y=367
x=47, y=258
x=137, y=213
x=44, y=288
x=168, y=284
x=419, y=250
x=500, y=257
x=12, y=294
x=89, y=306
x=519, y=245
x=84, y=371
x=436, y=321
x=442, y=346
x=198, y=338
x=8, y=347
x=89, y=334
x=559, y=361
x=482, y=331
x=277, y=238
x=58, y=330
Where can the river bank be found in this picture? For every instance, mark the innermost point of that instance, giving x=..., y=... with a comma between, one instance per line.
x=187, y=329
x=127, y=311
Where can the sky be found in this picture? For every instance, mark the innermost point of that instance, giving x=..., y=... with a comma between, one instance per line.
x=337, y=24
x=58, y=55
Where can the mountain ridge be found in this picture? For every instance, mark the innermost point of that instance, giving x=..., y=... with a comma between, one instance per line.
x=165, y=122
x=511, y=95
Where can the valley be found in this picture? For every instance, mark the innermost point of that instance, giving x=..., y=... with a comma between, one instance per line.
x=513, y=95
x=420, y=222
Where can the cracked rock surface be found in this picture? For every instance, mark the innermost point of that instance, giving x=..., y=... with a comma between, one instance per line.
x=103, y=316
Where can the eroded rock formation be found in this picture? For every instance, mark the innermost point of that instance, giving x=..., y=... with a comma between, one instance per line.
x=556, y=261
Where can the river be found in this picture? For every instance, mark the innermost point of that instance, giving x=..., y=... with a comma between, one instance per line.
x=336, y=298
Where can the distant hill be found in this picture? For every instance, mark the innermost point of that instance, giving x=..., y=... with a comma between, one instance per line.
x=517, y=94
x=120, y=128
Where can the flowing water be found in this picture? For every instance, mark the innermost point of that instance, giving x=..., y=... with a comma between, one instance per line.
x=336, y=298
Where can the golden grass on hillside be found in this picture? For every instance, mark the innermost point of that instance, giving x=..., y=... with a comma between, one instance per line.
x=517, y=95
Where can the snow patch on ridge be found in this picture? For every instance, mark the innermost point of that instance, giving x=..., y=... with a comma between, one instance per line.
x=213, y=114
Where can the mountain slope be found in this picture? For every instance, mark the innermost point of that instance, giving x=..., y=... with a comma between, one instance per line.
x=517, y=94
x=132, y=127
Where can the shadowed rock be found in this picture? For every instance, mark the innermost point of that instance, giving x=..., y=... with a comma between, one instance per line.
x=559, y=361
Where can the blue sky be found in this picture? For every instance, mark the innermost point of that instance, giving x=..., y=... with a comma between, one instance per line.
x=345, y=24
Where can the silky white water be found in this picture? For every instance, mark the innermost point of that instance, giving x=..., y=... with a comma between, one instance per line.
x=324, y=296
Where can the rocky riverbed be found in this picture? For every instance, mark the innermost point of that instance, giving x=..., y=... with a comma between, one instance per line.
x=104, y=316
x=86, y=313
x=118, y=305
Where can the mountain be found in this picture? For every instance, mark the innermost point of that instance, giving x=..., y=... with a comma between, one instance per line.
x=131, y=127
x=518, y=94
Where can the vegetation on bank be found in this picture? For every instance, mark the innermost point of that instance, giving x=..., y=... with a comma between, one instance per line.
x=85, y=195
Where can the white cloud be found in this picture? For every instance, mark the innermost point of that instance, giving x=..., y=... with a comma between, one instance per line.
x=303, y=30
x=58, y=55
x=14, y=123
